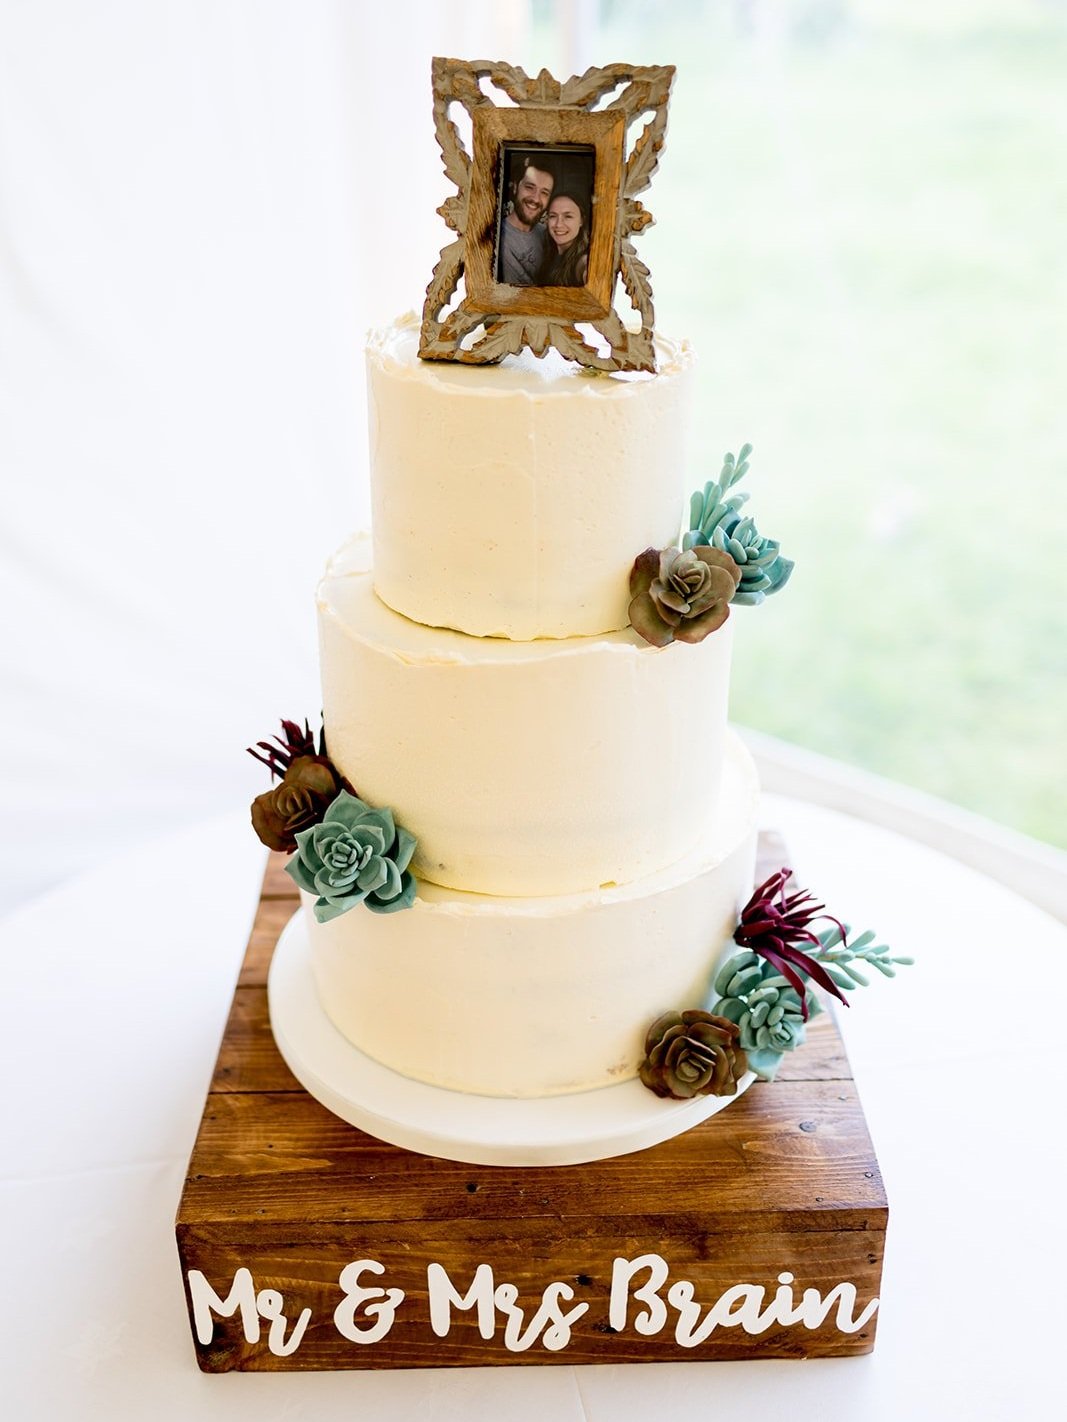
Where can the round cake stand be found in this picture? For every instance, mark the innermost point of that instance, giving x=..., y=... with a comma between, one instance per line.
x=478, y=1130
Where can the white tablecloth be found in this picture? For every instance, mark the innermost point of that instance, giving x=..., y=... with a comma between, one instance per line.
x=115, y=991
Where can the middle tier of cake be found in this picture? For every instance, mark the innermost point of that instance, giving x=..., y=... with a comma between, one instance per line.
x=532, y=997
x=523, y=768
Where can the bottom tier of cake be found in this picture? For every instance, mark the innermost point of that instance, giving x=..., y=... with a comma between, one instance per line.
x=540, y=996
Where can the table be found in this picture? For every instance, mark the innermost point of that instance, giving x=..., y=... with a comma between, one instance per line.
x=116, y=989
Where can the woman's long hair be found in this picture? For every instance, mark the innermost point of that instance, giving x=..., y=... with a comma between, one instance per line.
x=569, y=267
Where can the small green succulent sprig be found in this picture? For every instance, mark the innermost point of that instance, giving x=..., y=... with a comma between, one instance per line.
x=709, y=506
x=715, y=520
x=839, y=957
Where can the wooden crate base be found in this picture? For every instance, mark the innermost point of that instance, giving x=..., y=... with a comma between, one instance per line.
x=307, y=1244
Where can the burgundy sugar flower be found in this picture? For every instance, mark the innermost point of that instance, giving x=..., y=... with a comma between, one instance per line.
x=691, y=1054
x=309, y=783
x=774, y=922
x=681, y=596
x=280, y=756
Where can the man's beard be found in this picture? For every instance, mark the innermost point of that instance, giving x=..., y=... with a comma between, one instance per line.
x=525, y=215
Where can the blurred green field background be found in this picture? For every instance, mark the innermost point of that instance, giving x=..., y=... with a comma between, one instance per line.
x=862, y=223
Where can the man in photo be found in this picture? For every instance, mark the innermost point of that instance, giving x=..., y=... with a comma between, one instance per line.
x=522, y=233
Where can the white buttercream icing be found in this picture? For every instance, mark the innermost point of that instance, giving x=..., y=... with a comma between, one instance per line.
x=512, y=500
x=540, y=996
x=523, y=768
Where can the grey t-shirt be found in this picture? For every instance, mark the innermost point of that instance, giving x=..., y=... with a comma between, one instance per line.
x=520, y=253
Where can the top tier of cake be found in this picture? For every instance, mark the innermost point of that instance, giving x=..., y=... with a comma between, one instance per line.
x=511, y=501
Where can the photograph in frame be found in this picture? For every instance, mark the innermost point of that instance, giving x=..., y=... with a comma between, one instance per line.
x=544, y=225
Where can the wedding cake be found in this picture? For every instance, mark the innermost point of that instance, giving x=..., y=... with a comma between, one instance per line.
x=585, y=821
x=525, y=836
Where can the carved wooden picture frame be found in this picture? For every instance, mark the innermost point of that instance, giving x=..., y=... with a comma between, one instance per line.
x=547, y=120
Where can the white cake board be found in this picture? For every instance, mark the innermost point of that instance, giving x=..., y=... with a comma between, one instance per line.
x=478, y=1130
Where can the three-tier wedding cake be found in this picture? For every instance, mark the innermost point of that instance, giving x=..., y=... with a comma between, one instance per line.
x=526, y=834
x=585, y=821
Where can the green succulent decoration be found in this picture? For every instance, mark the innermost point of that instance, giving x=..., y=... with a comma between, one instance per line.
x=716, y=521
x=768, y=1012
x=356, y=855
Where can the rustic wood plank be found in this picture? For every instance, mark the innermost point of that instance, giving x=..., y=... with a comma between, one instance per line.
x=276, y=882
x=271, y=917
x=248, y=1059
x=796, y=1149
x=822, y=1057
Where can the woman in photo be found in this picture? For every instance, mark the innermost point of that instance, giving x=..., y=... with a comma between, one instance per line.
x=566, y=259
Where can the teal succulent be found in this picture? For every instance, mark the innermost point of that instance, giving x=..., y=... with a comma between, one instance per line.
x=769, y=1013
x=715, y=521
x=763, y=569
x=356, y=855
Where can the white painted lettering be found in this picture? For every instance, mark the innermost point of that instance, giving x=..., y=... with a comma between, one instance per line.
x=689, y=1331
x=367, y=1312
x=623, y=1270
x=444, y=1295
x=558, y=1331
x=268, y=1304
x=814, y=1309
x=378, y=1304
x=206, y=1301
x=741, y=1306
x=781, y=1308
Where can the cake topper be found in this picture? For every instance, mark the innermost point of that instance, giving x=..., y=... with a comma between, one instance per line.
x=544, y=213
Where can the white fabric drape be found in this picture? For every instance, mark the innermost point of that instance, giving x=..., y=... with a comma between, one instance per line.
x=203, y=205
